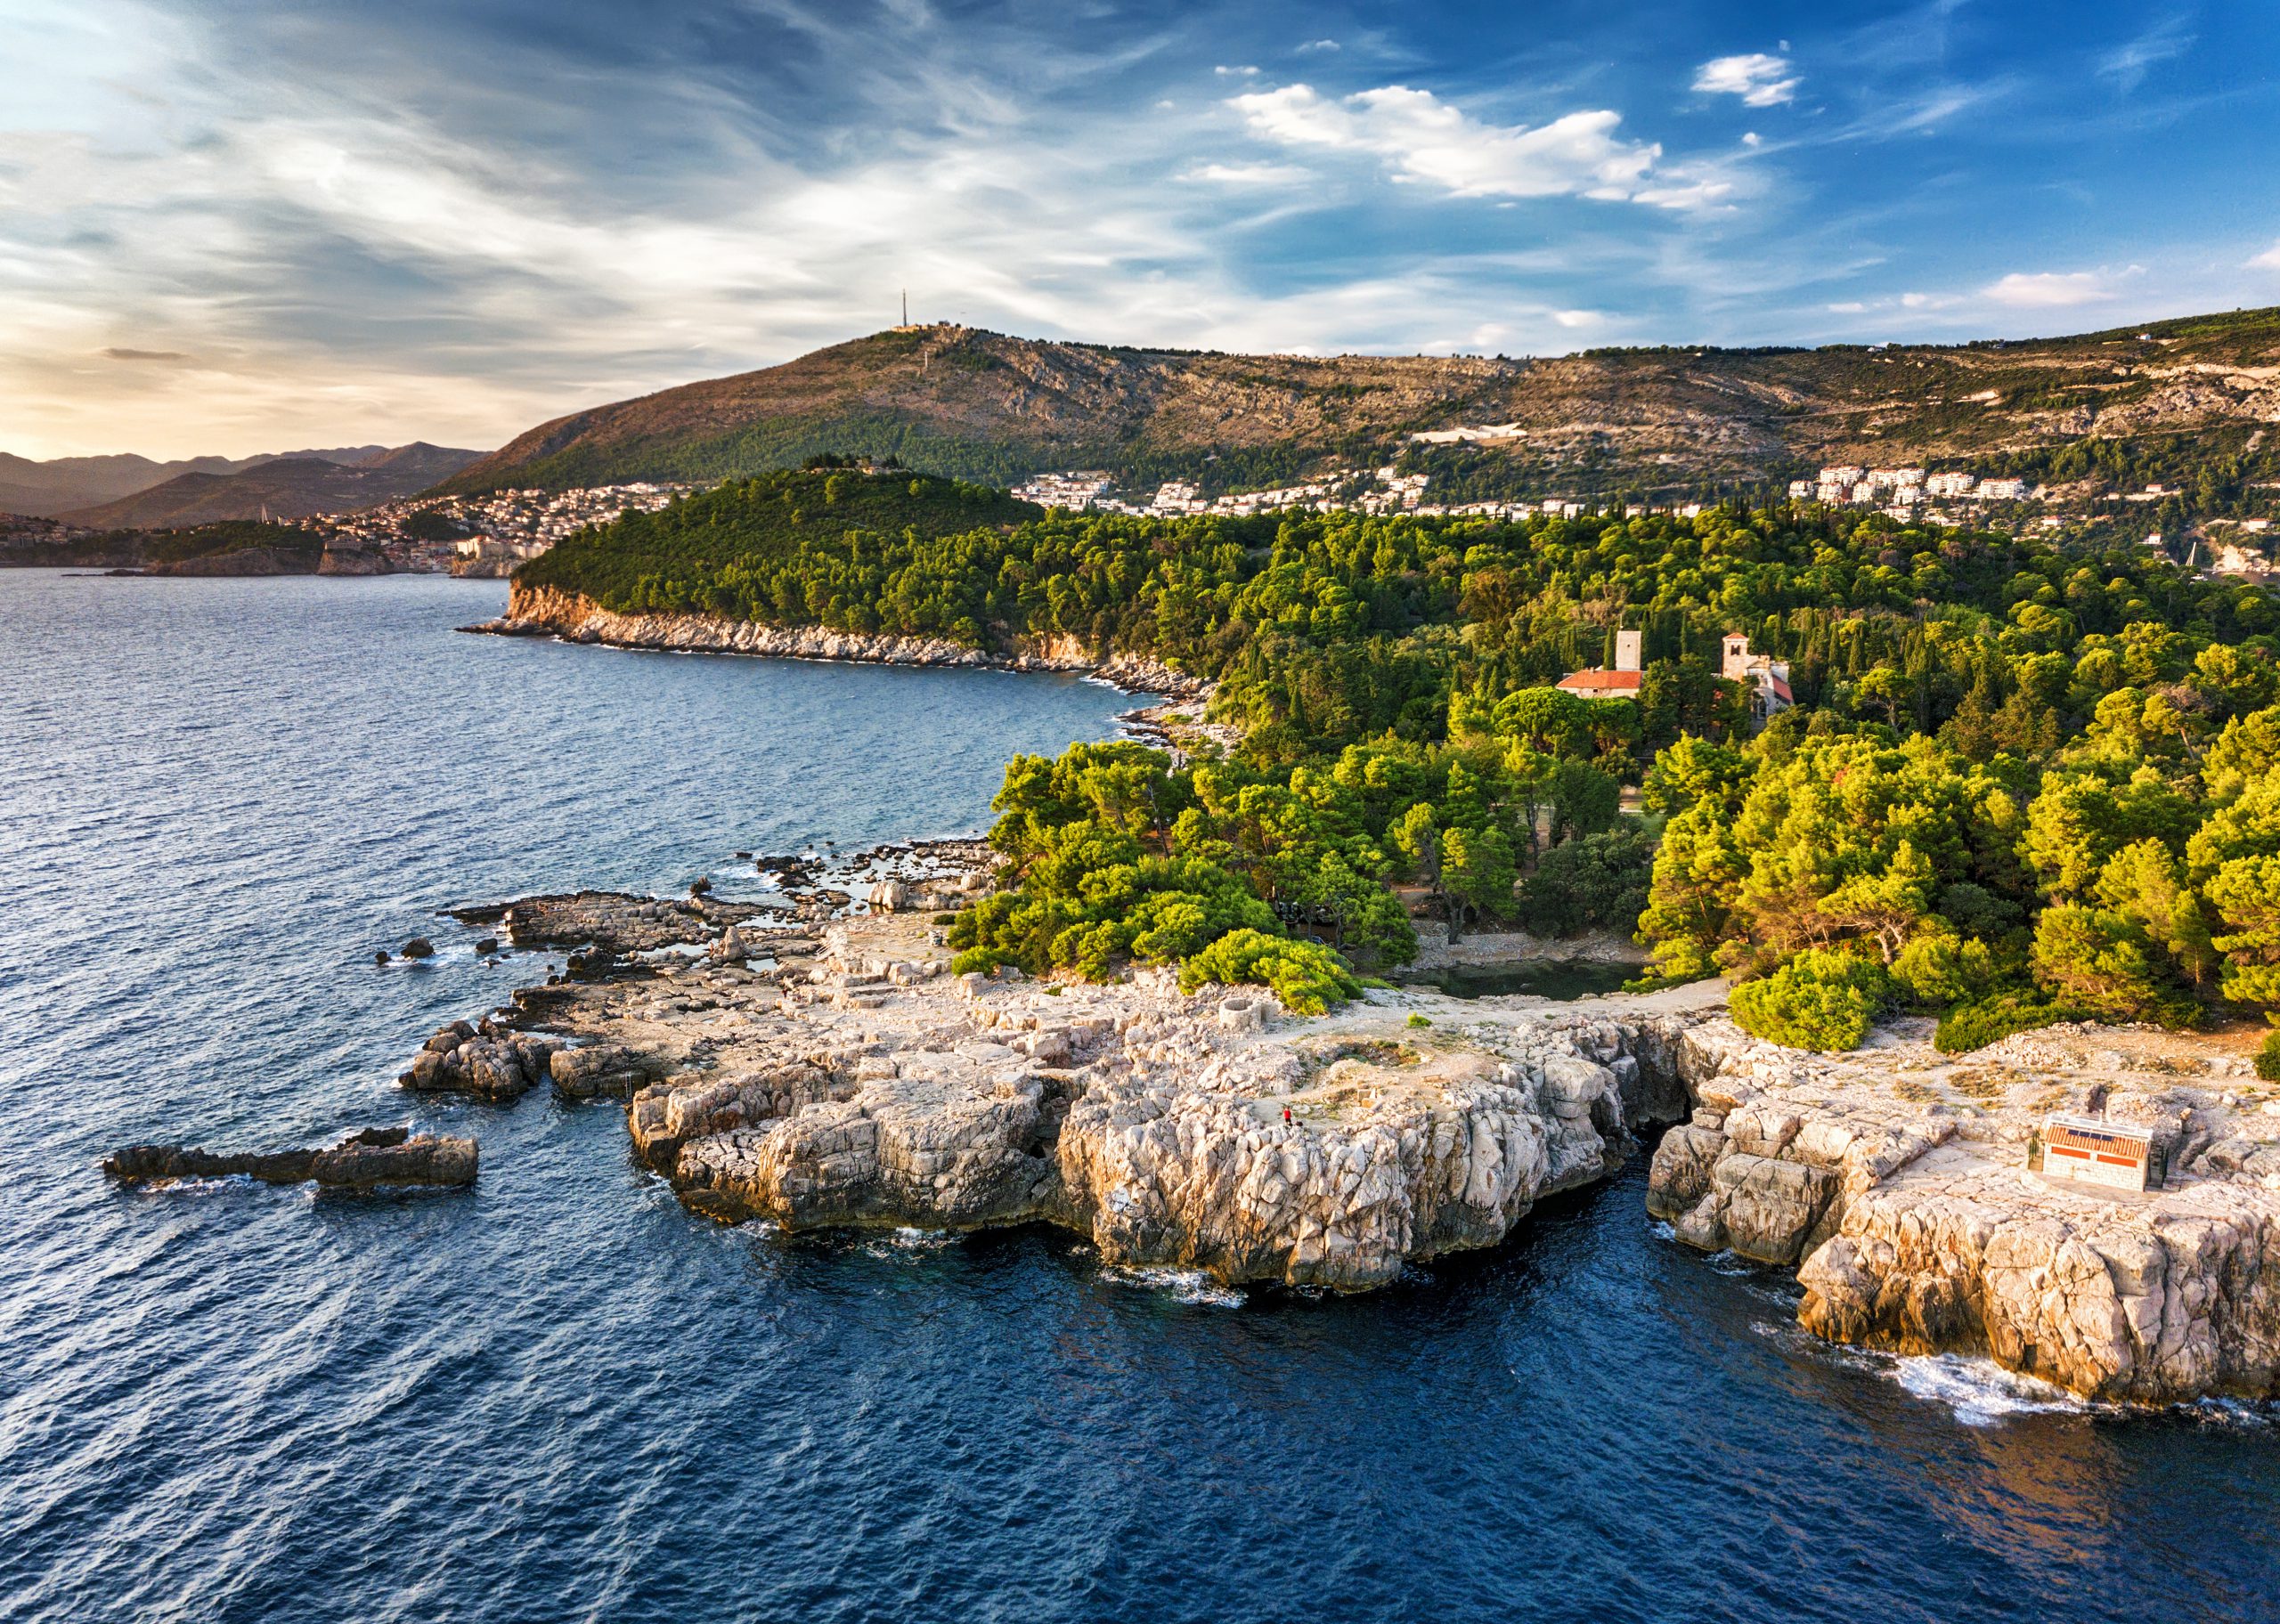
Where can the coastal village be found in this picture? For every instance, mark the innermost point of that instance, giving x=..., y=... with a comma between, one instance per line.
x=2214, y=546
x=485, y=535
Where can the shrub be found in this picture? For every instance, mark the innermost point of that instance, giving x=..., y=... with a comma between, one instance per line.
x=2268, y=1058
x=1992, y=1018
x=1309, y=979
x=1419, y=1020
x=1819, y=1000
x=1937, y=969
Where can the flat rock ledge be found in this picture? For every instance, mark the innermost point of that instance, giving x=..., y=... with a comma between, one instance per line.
x=375, y=1158
x=1904, y=1188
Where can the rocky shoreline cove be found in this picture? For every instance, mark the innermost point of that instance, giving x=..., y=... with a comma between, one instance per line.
x=546, y=611
x=816, y=1067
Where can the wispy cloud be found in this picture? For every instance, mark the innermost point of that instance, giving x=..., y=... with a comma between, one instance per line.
x=2048, y=289
x=120, y=352
x=1425, y=141
x=2127, y=65
x=1760, y=80
x=2269, y=260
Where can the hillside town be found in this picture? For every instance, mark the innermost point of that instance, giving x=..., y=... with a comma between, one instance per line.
x=1385, y=490
x=485, y=535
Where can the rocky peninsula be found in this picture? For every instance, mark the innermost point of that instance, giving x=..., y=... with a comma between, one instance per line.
x=817, y=1066
x=549, y=611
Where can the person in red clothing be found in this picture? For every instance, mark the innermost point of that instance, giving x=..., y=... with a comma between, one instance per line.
x=1286, y=1116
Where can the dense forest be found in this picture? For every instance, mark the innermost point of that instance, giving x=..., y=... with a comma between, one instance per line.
x=2021, y=780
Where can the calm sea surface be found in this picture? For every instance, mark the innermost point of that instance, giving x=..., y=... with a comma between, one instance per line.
x=561, y=1397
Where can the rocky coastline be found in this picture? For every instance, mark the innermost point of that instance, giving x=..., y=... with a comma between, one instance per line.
x=1905, y=1189
x=832, y=1073
x=807, y=1059
x=547, y=612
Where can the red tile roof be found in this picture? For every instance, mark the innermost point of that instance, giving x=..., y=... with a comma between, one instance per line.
x=1596, y=681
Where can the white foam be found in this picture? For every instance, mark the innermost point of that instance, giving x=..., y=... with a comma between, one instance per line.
x=1980, y=1391
x=905, y=1240
x=1182, y=1285
x=2232, y=1412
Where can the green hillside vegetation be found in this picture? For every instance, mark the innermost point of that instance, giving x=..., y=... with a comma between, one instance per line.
x=797, y=547
x=2021, y=779
x=226, y=536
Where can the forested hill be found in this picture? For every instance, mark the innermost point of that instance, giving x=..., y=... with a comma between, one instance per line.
x=721, y=551
x=2180, y=396
x=2024, y=778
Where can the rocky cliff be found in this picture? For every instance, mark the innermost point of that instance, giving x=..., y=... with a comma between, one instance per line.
x=550, y=612
x=851, y=1080
x=1904, y=1189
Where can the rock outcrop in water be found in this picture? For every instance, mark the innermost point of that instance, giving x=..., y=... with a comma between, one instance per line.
x=1898, y=1182
x=373, y=1159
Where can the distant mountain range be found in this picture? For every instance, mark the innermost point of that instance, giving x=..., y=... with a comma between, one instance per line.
x=980, y=405
x=129, y=491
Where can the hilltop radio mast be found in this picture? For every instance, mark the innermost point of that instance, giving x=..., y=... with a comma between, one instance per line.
x=906, y=307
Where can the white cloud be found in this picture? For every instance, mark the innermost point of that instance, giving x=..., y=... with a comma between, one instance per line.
x=1319, y=44
x=2048, y=289
x=2128, y=65
x=1248, y=174
x=1428, y=142
x=1758, y=79
x=1226, y=72
x=2269, y=260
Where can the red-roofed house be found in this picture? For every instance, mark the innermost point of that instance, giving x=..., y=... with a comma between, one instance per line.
x=1621, y=683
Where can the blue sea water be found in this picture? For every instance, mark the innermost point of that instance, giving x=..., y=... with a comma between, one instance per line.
x=562, y=1397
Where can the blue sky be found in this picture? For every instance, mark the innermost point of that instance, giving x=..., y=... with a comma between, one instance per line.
x=230, y=227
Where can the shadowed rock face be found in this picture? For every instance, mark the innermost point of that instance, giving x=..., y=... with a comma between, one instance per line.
x=371, y=1159
x=1916, y=1224
x=864, y=1087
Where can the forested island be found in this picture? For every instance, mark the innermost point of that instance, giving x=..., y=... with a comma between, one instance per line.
x=2021, y=782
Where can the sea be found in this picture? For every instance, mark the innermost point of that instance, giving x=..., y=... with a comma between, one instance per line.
x=561, y=1396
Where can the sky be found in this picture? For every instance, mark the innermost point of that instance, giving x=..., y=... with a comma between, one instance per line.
x=230, y=227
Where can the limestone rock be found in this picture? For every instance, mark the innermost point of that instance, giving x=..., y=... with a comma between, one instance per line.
x=372, y=1159
x=460, y=1058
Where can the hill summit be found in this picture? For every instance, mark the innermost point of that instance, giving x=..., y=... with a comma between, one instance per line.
x=978, y=405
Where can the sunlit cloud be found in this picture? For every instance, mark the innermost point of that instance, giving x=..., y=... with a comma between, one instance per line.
x=1758, y=79
x=2048, y=289
x=1424, y=140
x=1248, y=174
